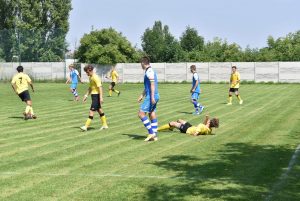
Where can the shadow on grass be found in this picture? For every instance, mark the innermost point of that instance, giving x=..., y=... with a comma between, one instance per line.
x=238, y=171
x=185, y=112
x=136, y=137
x=14, y=117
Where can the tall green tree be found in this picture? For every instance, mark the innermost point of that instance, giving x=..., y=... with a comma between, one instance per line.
x=34, y=29
x=190, y=40
x=106, y=46
x=159, y=44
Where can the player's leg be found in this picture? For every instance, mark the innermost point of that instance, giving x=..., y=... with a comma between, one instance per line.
x=103, y=119
x=110, y=90
x=154, y=123
x=194, y=100
x=113, y=88
x=88, y=121
x=73, y=90
x=230, y=96
x=237, y=93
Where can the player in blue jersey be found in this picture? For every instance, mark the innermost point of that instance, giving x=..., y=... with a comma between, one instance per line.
x=151, y=95
x=73, y=78
x=195, y=91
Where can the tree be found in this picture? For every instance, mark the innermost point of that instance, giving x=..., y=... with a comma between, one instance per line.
x=34, y=29
x=190, y=40
x=160, y=45
x=106, y=46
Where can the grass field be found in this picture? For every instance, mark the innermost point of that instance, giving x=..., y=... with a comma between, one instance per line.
x=252, y=156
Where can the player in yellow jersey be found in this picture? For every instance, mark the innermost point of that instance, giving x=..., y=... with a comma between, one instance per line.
x=114, y=76
x=95, y=90
x=234, y=86
x=204, y=128
x=20, y=85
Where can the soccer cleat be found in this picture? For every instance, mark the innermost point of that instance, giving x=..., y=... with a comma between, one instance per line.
x=229, y=104
x=34, y=116
x=241, y=102
x=155, y=138
x=77, y=98
x=201, y=108
x=119, y=93
x=196, y=113
x=150, y=137
x=103, y=128
x=83, y=128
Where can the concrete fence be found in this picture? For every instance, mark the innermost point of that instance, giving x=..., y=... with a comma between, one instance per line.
x=167, y=72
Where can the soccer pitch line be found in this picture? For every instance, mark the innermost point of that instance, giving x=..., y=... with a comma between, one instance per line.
x=278, y=185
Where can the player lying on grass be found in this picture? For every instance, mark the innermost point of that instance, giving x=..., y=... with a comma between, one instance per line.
x=204, y=128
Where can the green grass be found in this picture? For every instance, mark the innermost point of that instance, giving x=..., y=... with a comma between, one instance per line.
x=51, y=159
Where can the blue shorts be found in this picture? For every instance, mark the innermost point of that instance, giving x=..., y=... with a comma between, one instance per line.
x=73, y=86
x=195, y=96
x=147, y=106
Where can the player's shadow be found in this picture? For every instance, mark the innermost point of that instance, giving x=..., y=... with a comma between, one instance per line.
x=135, y=137
x=185, y=112
x=90, y=128
x=15, y=117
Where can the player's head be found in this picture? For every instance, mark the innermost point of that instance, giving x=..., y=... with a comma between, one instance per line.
x=214, y=123
x=145, y=61
x=20, y=69
x=88, y=69
x=193, y=68
x=71, y=66
x=233, y=68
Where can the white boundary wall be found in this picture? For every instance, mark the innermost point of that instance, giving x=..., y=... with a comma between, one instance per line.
x=166, y=72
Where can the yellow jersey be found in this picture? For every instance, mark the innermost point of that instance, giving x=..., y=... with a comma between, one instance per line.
x=201, y=129
x=95, y=83
x=114, y=76
x=21, y=81
x=233, y=80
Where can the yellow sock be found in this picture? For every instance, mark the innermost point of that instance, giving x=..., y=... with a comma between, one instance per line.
x=230, y=99
x=103, y=120
x=110, y=92
x=116, y=91
x=88, y=122
x=239, y=97
x=164, y=127
x=27, y=109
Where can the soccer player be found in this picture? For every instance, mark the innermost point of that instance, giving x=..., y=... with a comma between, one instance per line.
x=20, y=85
x=73, y=78
x=204, y=128
x=95, y=89
x=114, y=78
x=234, y=85
x=195, y=91
x=151, y=95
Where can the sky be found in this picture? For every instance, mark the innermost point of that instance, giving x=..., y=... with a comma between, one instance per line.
x=245, y=22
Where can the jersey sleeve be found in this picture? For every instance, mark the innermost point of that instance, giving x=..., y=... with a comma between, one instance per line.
x=97, y=81
x=238, y=77
x=13, y=81
x=76, y=72
x=150, y=75
x=196, y=77
x=28, y=78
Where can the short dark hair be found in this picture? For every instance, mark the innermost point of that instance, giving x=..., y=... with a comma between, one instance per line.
x=88, y=67
x=145, y=60
x=214, y=122
x=20, y=69
x=234, y=67
x=193, y=67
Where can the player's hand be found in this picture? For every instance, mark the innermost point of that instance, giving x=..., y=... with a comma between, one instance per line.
x=153, y=101
x=84, y=98
x=33, y=90
x=101, y=100
x=192, y=90
x=140, y=98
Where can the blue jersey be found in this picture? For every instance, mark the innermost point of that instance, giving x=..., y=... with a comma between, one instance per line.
x=150, y=76
x=74, y=76
x=195, y=78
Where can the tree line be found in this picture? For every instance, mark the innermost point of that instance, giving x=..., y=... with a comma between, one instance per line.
x=36, y=31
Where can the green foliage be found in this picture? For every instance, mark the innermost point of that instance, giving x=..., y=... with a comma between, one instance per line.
x=34, y=29
x=160, y=45
x=190, y=40
x=106, y=46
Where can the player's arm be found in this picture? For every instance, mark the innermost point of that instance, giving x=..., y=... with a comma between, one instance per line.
x=206, y=121
x=13, y=85
x=140, y=98
x=87, y=94
x=68, y=80
x=31, y=85
x=152, y=87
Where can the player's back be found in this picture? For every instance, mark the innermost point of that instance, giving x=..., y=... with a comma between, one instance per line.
x=21, y=81
x=74, y=76
x=150, y=76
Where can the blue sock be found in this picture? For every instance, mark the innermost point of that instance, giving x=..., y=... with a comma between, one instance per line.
x=196, y=104
x=75, y=92
x=154, y=125
x=147, y=124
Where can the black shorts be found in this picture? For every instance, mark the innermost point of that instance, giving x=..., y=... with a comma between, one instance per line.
x=183, y=128
x=25, y=96
x=113, y=84
x=234, y=90
x=95, y=106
